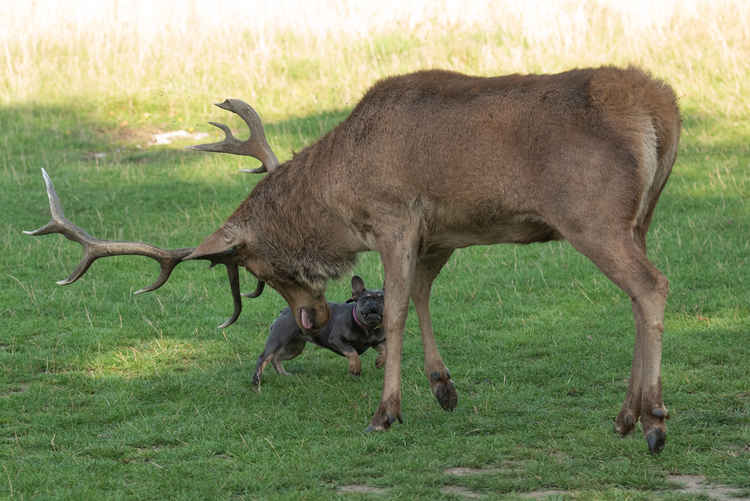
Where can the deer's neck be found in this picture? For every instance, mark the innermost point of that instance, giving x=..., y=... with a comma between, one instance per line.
x=295, y=230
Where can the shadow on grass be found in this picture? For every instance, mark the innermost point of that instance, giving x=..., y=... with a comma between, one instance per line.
x=75, y=147
x=117, y=187
x=50, y=134
x=143, y=205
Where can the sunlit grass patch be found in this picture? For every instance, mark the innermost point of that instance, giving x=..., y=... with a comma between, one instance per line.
x=152, y=357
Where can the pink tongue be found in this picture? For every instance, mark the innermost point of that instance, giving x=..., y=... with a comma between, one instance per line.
x=305, y=319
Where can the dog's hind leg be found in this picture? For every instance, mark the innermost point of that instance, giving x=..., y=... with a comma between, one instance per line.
x=290, y=350
x=277, y=365
x=263, y=360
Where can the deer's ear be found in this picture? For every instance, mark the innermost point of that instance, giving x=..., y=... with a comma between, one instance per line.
x=217, y=247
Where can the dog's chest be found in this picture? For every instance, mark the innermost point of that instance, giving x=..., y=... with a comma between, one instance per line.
x=365, y=338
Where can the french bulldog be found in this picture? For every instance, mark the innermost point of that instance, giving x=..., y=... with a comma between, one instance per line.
x=353, y=327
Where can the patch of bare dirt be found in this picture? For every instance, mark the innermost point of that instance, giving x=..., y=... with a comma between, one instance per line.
x=505, y=468
x=467, y=472
x=126, y=135
x=15, y=389
x=461, y=491
x=697, y=484
x=168, y=137
x=362, y=489
x=544, y=494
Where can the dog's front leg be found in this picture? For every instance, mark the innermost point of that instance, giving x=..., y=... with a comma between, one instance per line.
x=380, y=360
x=355, y=364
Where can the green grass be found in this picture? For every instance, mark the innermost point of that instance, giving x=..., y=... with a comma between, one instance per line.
x=108, y=395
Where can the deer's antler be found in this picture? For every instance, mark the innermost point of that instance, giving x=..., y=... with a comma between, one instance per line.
x=258, y=290
x=94, y=248
x=256, y=145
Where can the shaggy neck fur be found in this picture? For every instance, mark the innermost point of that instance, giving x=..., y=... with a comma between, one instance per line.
x=293, y=231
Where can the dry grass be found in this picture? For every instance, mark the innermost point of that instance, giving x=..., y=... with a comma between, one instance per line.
x=323, y=57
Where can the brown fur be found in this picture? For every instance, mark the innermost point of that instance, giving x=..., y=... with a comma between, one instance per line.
x=466, y=154
x=433, y=161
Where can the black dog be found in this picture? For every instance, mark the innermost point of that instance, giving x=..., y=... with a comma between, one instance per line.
x=353, y=327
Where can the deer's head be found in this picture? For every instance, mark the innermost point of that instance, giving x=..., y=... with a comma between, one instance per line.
x=235, y=244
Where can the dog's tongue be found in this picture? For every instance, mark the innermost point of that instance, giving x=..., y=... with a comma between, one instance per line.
x=304, y=316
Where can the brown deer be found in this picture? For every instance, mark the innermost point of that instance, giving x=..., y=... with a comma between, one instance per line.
x=433, y=161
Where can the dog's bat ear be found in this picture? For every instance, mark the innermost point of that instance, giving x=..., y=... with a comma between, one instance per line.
x=358, y=286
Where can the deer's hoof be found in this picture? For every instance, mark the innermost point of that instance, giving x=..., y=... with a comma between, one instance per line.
x=444, y=390
x=389, y=411
x=446, y=395
x=660, y=412
x=656, y=440
x=384, y=423
x=625, y=422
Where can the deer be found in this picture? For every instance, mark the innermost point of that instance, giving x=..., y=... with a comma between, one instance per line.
x=434, y=161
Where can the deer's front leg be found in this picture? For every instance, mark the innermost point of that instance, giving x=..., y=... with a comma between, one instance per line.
x=398, y=256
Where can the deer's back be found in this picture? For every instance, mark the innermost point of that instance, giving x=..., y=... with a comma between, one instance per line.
x=500, y=156
x=485, y=160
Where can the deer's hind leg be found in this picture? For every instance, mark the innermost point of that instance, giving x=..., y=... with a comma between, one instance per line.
x=621, y=256
x=437, y=373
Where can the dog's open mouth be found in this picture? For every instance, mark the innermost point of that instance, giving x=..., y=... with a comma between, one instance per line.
x=373, y=319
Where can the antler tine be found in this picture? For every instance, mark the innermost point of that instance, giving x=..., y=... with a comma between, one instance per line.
x=234, y=284
x=258, y=290
x=227, y=133
x=58, y=223
x=55, y=207
x=167, y=265
x=94, y=248
x=256, y=145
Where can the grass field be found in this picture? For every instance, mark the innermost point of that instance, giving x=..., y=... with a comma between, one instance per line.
x=108, y=395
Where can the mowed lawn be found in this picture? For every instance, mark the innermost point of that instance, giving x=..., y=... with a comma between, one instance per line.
x=107, y=395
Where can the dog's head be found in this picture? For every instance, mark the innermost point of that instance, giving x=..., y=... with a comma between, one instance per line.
x=370, y=303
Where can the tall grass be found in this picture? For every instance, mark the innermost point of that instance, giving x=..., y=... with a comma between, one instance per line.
x=271, y=53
